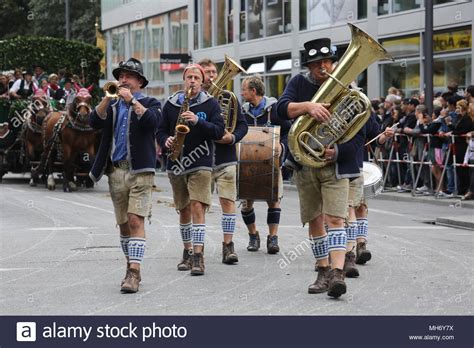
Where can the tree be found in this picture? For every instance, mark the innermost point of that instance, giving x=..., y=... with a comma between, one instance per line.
x=14, y=16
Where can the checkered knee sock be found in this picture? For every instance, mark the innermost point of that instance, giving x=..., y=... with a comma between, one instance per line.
x=186, y=230
x=351, y=231
x=136, y=249
x=362, y=228
x=124, y=244
x=199, y=232
x=228, y=223
x=337, y=239
x=319, y=245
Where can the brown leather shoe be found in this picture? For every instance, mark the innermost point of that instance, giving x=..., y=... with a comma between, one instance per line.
x=126, y=273
x=468, y=196
x=350, y=269
x=185, y=264
x=336, y=286
x=132, y=281
x=363, y=255
x=197, y=264
x=228, y=254
x=321, y=283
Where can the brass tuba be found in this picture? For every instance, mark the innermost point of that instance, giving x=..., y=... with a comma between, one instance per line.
x=181, y=129
x=350, y=109
x=227, y=99
x=111, y=89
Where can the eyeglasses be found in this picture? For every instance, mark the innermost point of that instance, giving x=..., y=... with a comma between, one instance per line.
x=130, y=64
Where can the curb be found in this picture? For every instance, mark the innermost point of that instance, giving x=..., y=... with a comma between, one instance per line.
x=448, y=221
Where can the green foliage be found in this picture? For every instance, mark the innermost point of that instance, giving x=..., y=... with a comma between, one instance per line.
x=53, y=54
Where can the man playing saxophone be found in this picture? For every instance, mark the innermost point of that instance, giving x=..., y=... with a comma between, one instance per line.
x=190, y=173
x=224, y=174
x=323, y=192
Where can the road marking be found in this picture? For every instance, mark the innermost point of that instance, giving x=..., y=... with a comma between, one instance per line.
x=81, y=204
x=15, y=269
x=62, y=228
x=386, y=212
x=431, y=227
x=15, y=190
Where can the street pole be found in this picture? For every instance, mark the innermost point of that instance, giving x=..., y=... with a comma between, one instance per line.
x=428, y=71
x=67, y=21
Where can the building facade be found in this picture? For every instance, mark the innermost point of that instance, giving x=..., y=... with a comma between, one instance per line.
x=267, y=37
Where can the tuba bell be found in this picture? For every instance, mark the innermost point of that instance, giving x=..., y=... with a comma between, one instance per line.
x=227, y=99
x=350, y=109
x=111, y=89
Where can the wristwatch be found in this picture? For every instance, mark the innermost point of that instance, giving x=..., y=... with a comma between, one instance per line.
x=133, y=102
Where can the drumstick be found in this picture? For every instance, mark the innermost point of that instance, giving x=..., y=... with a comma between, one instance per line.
x=378, y=136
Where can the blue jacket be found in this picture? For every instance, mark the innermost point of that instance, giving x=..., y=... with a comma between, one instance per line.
x=302, y=88
x=198, y=149
x=226, y=154
x=141, y=152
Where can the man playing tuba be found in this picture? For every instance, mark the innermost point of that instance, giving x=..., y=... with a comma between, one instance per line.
x=224, y=173
x=322, y=191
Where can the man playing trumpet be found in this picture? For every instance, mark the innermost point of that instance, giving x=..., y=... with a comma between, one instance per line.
x=190, y=173
x=127, y=156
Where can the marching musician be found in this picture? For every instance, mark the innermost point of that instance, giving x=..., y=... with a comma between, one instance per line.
x=323, y=192
x=260, y=110
x=224, y=174
x=190, y=174
x=127, y=156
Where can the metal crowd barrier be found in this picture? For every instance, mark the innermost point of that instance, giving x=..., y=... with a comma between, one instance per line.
x=393, y=157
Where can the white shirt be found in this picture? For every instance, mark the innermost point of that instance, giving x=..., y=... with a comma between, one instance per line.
x=17, y=83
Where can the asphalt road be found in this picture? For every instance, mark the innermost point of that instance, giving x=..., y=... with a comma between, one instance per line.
x=60, y=254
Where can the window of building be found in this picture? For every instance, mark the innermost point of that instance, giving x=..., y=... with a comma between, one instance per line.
x=156, y=46
x=278, y=17
x=402, y=46
x=303, y=15
x=254, y=65
x=118, y=45
x=324, y=13
x=452, y=40
x=403, y=74
x=137, y=36
x=254, y=19
x=383, y=7
x=157, y=92
x=361, y=9
x=206, y=23
x=275, y=84
x=451, y=69
x=176, y=87
x=393, y=6
x=179, y=31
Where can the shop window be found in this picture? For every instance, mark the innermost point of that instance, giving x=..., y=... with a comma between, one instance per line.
x=254, y=19
x=221, y=22
x=404, y=75
x=278, y=17
x=324, y=13
x=230, y=22
x=275, y=84
x=118, y=45
x=451, y=69
x=179, y=31
x=406, y=5
x=402, y=46
x=156, y=37
x=254, y=65
x=452, y=40
x=206, y=15
x=243, y=21
x=138, y=40
x=279, y=63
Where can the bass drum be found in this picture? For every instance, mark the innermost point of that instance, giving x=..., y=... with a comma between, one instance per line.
x=258, y=168
x=373, y=183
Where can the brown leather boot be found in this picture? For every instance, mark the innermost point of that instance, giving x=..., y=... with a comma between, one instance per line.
x=185, y=264
x=350, y=269
x=336, y=286
x=197, y=264
x=126, y=274
x=228, y=254
x=272, y=244
x=363, y=255
x=132, y=281
x=321, y=283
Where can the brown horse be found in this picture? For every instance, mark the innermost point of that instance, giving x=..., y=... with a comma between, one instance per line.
x=32, y=134
x=72, y=131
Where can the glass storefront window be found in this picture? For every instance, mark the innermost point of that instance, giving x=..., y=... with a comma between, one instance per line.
x=452, y=40
x=274, y=17
x=402, y=46
x=156, y=46
x=243, y=21
x=137, y=36
x=206, y=11
x=254, y=15
x=179, y=31
x=451, y=69
x=221, y=22
x=157, y=92
x=383, y=7
x=404, y=75
x=275, y=84
x=230, y=22
x=405, y=5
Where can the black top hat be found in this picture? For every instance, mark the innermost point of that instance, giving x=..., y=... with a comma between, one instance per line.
x=318, y=49
x=132, y=65
x=27, y=72
x=414, y=101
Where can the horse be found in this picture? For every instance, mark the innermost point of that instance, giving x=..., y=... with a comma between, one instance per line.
x=71, y=130
x=32, y=130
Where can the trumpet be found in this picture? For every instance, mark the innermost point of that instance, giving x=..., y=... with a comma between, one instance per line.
x=111, y=89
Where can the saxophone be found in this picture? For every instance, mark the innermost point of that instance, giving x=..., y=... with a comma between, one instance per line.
x=180, y=130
